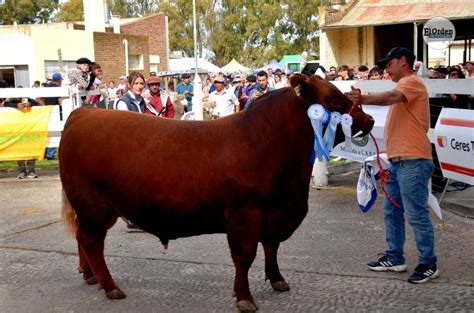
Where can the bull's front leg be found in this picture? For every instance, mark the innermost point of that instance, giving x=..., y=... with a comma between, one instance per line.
x=243, y=233
x=272, y=271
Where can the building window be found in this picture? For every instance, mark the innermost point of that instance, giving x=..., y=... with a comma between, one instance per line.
x=135, y=62
x=51, y=67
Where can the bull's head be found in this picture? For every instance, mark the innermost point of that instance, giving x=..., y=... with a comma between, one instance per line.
x=317, y=90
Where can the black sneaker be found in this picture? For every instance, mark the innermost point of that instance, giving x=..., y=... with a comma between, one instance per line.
x=383, y=264
x=21, y=175
x=423, y=273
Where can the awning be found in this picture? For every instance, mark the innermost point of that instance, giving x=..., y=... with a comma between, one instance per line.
x=386, y=12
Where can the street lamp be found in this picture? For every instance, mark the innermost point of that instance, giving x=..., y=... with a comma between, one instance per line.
x=197, y=104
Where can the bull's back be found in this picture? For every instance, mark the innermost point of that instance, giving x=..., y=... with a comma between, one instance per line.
x=162, y=169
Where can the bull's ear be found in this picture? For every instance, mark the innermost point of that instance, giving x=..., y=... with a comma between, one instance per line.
x=299, y=84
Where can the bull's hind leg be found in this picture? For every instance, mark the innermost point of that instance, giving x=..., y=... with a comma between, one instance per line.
x=92, y=244
x=243, y=233
x=272, y=271
x=84, y=267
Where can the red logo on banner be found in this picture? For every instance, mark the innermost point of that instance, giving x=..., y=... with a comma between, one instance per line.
x=441, y=141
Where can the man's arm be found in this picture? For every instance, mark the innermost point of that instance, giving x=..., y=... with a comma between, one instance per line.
x=381, y=98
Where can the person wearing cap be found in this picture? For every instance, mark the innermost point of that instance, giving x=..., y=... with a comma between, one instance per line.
x=158, y=97
x=410, y=167
x=56, y=81
x=225, y=99
x=249, y=87
x=123, y=83
x=80, y=76
x=238, y=90
x=186, y=88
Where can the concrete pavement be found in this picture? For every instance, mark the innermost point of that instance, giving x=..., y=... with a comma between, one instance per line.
x=324, y=262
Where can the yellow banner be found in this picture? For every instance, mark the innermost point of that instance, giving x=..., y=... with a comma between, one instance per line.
x=24, y=133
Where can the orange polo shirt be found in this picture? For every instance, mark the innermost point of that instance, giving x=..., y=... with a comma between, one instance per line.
x=409, y=121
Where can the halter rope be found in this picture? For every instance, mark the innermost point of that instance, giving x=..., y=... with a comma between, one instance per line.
x=383, y=174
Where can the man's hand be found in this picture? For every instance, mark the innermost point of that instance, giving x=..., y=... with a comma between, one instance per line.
x=355, y=95
x=24, y=105
x=255, y=95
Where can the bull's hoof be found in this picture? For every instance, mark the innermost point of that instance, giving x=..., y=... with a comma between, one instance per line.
x=281, y=286
x=246, y=306
x=115, y=294
x=91, y=280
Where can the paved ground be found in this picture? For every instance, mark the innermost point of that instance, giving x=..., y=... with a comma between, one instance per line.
x=324, y=262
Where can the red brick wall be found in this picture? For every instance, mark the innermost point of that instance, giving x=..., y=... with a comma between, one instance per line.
x=110, y=53
x=154, y=27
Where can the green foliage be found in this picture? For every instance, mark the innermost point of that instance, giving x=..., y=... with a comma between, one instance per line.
x=73, y=10
x=119, y=7
x=251, y=31
x=11, y=166
x=27, y=11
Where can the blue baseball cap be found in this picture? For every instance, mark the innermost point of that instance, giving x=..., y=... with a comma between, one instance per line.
x=57, y=76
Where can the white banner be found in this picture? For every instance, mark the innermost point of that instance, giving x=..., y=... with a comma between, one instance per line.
x=362, y=148
x=454, y=142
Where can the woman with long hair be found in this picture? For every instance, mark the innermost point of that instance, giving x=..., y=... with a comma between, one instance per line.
x=132, y=99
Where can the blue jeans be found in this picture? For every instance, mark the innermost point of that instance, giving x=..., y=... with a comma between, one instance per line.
x=408, y=186
x=49, y=154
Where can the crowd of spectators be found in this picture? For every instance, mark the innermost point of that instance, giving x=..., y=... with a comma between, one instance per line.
x=230, y=93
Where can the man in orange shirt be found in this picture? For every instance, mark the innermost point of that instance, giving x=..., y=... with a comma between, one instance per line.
x=411, y=166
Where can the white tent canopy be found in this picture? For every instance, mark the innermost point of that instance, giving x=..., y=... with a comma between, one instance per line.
x=187, y=64
x=234, y=66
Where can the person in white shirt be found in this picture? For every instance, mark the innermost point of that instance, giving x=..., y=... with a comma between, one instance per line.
x=226, y=101
x=112, y=90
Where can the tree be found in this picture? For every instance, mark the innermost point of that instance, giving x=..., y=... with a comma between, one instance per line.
x=180, y=18
x=255, y=31
x=73, y=10
x=142, y=7
x=27, y=11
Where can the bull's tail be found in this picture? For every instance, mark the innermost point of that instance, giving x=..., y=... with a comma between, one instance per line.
x=68, y=215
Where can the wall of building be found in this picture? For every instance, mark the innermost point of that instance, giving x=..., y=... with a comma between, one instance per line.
x=17, y=46
x=349, y=46
x=32, y=45
x=455, y=55
x=109, y=52
x=74, y=44
x=156, y=28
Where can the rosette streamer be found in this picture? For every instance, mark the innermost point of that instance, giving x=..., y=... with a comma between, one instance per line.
x=319, y=117
x=330, y=133
x=346, y=123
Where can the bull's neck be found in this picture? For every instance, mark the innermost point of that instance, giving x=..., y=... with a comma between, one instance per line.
x=280, y=121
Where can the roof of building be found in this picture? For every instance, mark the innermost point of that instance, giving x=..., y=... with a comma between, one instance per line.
x=385, y=12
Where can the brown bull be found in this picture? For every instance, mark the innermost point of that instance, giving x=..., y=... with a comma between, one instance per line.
x=245, y=175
